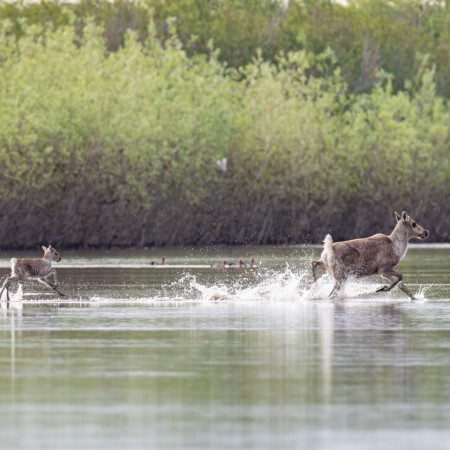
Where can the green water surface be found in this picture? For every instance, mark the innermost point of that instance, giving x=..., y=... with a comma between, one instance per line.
x=192, y=357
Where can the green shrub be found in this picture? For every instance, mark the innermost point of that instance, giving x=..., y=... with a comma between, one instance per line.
x=120, y=149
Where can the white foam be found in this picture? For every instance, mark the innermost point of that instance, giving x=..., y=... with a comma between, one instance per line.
x=285, y=286
x=421, y=294
x=291, y=285
x=13, y=298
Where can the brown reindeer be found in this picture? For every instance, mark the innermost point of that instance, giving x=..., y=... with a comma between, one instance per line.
x=39, y=269
x=375, y=255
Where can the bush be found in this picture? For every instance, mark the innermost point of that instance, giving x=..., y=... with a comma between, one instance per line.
x=120, y=149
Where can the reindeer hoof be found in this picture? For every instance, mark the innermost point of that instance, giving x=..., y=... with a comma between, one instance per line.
x=58, y=291
x=383, y=289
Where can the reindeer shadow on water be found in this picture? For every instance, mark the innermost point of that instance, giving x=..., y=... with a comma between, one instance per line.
x=39, y=269
x=375, y=255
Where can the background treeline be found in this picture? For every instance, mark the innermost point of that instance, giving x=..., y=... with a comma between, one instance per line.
x=364, y=35
x=113, y=116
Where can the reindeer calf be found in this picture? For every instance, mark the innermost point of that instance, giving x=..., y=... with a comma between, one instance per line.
x=375, y=255
x=39, y=269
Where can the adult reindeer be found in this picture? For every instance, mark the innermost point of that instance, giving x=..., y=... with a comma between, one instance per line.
x=375, y=255
x=39, y=269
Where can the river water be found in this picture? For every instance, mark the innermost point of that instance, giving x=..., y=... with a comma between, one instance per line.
x=185, y=356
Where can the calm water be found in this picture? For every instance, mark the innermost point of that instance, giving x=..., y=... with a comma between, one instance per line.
x=191, y=357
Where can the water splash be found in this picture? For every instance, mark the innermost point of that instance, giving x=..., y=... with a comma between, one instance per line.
x=13, y=298
x=17, y=297
x=288, y=285
x=421, y=295
x=271, y=286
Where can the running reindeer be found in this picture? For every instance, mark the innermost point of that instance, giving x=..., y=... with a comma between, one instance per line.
x=375, y=255
x=39, y=269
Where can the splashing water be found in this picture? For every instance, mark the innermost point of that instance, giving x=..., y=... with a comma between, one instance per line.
x=16, y=297
x=15, y=300
x=421, y=295
x=272, y=286
x=289, y=285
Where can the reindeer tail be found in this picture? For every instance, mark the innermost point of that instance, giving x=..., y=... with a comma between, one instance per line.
x=328, y=245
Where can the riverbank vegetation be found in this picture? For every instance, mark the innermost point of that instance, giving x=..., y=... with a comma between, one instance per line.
x=113, y=117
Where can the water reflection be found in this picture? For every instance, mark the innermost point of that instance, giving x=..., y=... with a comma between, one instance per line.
x=326, y=315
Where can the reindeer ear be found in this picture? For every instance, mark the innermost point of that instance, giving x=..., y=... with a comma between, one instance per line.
x=397, y=216
x=405, y=216
x=44, y=248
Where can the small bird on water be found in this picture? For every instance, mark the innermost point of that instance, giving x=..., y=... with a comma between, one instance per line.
x=221, y=265
x=243, y=265
x=162, y=263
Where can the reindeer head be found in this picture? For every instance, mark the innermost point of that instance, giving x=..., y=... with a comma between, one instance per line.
x=51, y=254
x=413, y=229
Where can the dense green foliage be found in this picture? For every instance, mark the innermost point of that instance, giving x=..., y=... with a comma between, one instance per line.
x=102, y=148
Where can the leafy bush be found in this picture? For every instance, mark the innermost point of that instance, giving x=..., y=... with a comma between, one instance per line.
x=120, y=149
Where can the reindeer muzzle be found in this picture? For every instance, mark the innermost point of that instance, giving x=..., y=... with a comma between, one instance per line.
x=425, y=234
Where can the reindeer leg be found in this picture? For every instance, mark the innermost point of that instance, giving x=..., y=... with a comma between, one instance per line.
x=314, y=265
x=391, y=275
x=396, y=279
x=61, y=294
x=50, y=285
x=337, y=287
x=55, y=286
x=6, y=284
x=403, y=288
x=340, y=277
